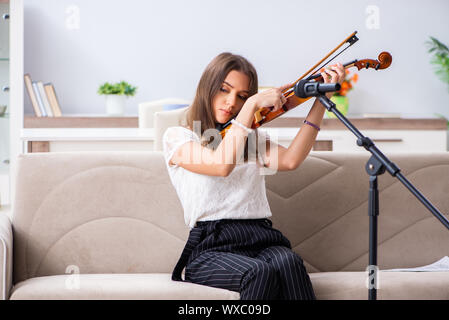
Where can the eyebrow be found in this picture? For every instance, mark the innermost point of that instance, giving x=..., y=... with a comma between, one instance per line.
x=233, y=87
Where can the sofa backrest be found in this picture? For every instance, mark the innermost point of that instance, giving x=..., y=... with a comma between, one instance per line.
x=117, y=212
x=322, y=207
x=166, y=119
x=95, y=212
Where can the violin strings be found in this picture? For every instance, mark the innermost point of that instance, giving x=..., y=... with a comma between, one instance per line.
x=290, y=91
x=325, y=64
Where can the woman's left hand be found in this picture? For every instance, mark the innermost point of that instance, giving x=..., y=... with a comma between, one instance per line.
x=333, y=74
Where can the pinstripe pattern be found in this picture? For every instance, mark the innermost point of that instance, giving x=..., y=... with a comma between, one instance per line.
x=247, y=256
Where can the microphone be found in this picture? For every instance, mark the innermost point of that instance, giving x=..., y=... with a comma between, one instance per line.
x=304, y=88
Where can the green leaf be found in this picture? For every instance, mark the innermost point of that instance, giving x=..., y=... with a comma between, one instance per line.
x=440, y=58
x=121, y=88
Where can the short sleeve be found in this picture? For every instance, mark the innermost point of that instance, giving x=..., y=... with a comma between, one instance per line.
x=173, y=138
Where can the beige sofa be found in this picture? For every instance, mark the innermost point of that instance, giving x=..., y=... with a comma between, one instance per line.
x=109, y=225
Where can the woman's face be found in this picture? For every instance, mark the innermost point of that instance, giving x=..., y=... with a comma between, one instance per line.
x=232, y=95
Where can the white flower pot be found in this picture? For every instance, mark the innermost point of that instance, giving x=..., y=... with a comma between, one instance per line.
x=115, y=104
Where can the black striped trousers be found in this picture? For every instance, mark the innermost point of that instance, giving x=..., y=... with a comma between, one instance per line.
x=247, y=256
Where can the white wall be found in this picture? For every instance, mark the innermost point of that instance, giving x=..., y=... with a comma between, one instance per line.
x=163, y=46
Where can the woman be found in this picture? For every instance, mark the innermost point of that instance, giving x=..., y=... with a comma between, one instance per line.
x=232, y=244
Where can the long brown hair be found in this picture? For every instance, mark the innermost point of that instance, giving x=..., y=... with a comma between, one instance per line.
x=209, y=85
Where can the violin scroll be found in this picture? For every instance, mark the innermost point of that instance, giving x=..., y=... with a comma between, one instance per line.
x=383, y=61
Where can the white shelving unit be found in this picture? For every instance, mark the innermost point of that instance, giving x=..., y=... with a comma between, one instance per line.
x=4, y=101
x=15, y=106
x=4, y=161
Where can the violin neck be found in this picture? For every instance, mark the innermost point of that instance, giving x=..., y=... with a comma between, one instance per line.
x=346, y=65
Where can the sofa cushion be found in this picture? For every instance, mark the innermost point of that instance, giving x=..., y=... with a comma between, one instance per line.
x=391, y=285
x=133, y=286
x=327, y=286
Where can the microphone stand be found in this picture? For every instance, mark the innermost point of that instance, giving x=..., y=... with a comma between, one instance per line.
x=377, y=164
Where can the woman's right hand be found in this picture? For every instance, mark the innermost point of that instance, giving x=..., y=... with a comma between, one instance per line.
x=269, y=98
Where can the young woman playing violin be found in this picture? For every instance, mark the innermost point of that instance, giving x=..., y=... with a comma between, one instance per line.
x=232, y=244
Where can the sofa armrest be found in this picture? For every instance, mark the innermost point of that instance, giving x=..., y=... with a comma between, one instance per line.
x=5, y=256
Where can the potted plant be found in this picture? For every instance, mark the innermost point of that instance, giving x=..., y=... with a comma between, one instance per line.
x=339, y=98
x=116, y=94
x=440, y=59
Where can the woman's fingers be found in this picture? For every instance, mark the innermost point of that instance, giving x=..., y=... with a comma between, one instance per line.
x=328, y=76
x=279, y=98
x=325, y=77
x=273, y=98
x=340, y=71
x=282, y=98
x=278, y=103
x=333, y=74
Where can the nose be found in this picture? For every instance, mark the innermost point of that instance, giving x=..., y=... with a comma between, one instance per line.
x=231, y=101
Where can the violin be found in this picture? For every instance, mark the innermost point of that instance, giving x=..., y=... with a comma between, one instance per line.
x=265, y=115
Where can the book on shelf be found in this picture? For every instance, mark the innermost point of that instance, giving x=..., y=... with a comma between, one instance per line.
x=39, y=99
x=32, y=95
x=53, y=99
x=45, y=103
x=43, y=98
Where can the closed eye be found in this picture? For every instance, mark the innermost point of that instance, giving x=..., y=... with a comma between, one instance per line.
x=240, y=96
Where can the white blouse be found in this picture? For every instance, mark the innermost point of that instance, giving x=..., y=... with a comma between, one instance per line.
x=240, y=195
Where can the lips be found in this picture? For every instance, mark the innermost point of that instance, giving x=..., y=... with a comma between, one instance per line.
x=225, y=112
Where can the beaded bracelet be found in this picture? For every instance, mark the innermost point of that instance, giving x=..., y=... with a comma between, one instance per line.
x=311, y=124
x=233, y=121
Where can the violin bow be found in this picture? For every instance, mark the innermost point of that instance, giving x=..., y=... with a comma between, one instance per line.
x=350, y=40
x=288, y=92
